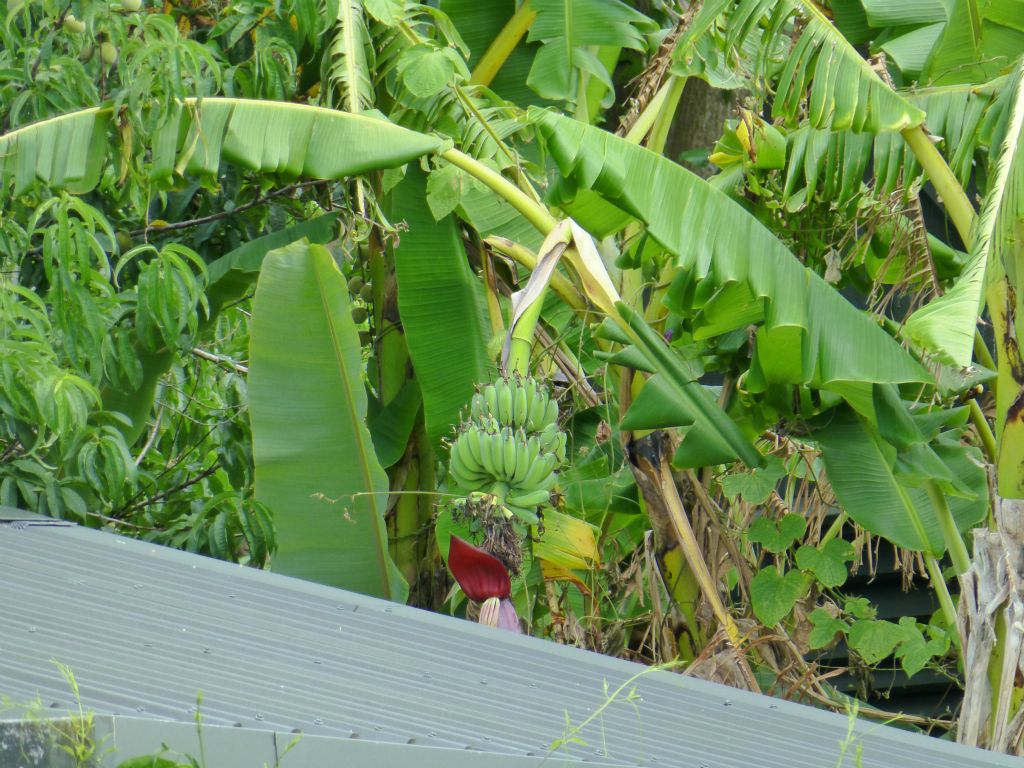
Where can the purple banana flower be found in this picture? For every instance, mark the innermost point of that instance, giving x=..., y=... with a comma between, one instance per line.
x=485, y=580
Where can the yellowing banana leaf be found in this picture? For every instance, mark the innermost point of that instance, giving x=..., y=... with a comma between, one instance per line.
x=315, y=464
x=1001, y=237
x=566, y=542
x=553, y=572
x=810, y=334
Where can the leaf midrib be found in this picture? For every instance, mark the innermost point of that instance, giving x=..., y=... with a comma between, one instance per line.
x=349, y=397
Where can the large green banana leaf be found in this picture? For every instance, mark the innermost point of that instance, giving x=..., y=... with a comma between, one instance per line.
x=291, y=140
x=861, y=469
x=232, y=275
x=946, y=325
x=811, y=334
x=709, y=435
x=440, y=309
x=822, y=71
x=315, y=464
x=64, y=152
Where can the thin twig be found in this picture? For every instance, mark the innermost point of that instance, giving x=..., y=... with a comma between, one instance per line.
x=226, y=362
x=57, y=24
x=170, y=491
x=153, y=433
x=10, y=450
x=261, y=200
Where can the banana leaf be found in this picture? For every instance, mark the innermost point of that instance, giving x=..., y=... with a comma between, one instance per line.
x=291, y=140
x=730, y=263
x=568, y=29
x=440, y=309
x=946, y=324
x=315, y=465
x=821, y=73
x=863, y=471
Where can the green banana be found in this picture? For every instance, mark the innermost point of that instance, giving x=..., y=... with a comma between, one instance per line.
x=549, y=437
x=538, y=403
x=548, y=482
x=497, y=463
x=560, y=447
x=509, y=456
x=520, y=405
x=529, y=387
x=528, y=499
x=491, y=398
x=482, y=453
x=522, y=466
x=551, y=413
x=504, y=401
x=462, y=457
x=538, y=471
x=471, y=480
x=528, y=516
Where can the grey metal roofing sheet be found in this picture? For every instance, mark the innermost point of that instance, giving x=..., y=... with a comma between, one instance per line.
x=144, y=628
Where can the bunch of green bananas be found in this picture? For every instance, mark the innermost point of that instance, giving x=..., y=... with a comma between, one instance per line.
x=511, y=446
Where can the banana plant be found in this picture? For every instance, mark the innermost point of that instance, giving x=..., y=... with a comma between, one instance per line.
x=468, y=301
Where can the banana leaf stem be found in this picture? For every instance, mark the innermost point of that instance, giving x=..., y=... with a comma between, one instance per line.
x=523, y=255
x=522, y=338
x=988, y=440
x=491, y=294
x=691, y=549
x=835, y=528
x=646, y=119
x=942, y=593
x=502, y=45
x=981, y=353
x=666, y=116
x=955, y=200
x=530, y=209
x=954, y=541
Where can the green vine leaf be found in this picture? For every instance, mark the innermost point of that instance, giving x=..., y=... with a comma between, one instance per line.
x=828, y=562
x=773, y=595
x=874, y=640
x=777, y=538
x=859, y=608
x=754, y=487
x=826, y=626
x=916, y=651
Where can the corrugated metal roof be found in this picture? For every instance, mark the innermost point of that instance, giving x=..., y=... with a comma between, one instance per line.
x=144, y=628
